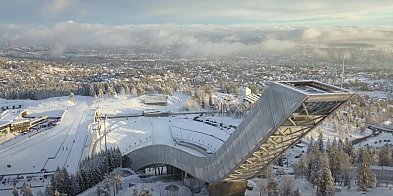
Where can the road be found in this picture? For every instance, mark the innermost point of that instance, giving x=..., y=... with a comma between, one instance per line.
x=376, y=131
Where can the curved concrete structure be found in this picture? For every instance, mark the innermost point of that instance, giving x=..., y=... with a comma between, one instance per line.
x=284, y=114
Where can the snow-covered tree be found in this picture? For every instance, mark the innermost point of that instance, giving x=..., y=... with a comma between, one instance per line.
x=326, y=187
x=336, y=159
x=311, y=145
x=348, y=148
x=320, y=142
x=127, y=89
x=61, y=181
x=75, y=189
x=26, y=191
x=48, y=189
x=92, y=92
x=102, y=190
x=314, y=165
x=134, y=91
x=385, y=156
x=366, y=178
x=122, y=91
x=111, y=92
x=272, y=187
x=15, y=192
x=72, y=97
x=117, y=181
x=192, y=104
x=286, y=185
x=93, y=169
x=100, y=93
x=262, y=187
x=302, y=165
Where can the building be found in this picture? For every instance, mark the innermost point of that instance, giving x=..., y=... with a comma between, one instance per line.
x=5, y=127
x=252, y=98
x=155, y=100
x=244, y=91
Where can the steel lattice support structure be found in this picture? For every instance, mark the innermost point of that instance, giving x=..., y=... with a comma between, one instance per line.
x=292, y=130
x=285, y=113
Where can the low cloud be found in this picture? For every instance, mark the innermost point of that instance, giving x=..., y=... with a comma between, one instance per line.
x=187, y=40
x=311, y=34
x=206, y=40
x=278, y=45
x=347, y=34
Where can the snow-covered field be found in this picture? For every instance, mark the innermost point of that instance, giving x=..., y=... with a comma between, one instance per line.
x=25, y=158
x=76, y=137
x=135, y=132
x=60, y=146
x=378, y=141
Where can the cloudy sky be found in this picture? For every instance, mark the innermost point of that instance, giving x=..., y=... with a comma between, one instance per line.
x=270, y=12
x=200, y=27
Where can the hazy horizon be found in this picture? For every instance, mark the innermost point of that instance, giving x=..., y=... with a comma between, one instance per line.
x=197, y=27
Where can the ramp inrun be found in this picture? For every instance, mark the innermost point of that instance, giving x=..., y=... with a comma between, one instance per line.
x=285, y=113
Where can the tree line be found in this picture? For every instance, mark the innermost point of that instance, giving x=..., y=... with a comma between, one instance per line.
x=338, y=163
x=92, y=170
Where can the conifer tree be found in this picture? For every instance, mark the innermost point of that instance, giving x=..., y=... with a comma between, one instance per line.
x=336, y=161
x=348, y=147
x=326, y=187
x=320, y=142
x=92, y=92
x=310, y=145
x=328, y=146
x=74, y=185
x=26, y=191
x=366, y=178
x=15, y=192
x=302, y=165
x=314, y=165
x=385, y=156
x=72, y=97
x=61, y=182
x=286, y=185
x=272, y=187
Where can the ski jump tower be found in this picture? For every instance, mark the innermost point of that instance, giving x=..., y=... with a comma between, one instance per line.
x=285, y=113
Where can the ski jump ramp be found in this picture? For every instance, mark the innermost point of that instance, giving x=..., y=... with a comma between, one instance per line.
x=285, y=113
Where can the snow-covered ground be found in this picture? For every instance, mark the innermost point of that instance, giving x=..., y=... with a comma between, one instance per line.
x=377, y=141
x=60, y=146
x=69, y=142
x=155, y=185
x=306, y=189
x=26, y=157
x=135, y=132
x=329, y=133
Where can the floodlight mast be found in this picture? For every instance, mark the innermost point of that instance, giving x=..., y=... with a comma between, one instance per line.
x=342, y=73
x=106, y=148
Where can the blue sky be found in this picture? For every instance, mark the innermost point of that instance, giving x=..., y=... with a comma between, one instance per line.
x=222, y=12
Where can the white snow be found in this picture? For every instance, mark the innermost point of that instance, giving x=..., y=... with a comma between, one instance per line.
x=77, y=136
x=59, y=146
x=306, y=189
x=378, y=141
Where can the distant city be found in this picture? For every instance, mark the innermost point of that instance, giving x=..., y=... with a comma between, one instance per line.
x=365, y=68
